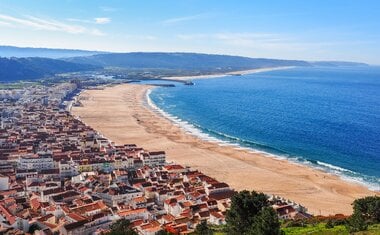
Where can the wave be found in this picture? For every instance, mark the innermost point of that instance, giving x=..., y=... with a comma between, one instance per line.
x=223, y=139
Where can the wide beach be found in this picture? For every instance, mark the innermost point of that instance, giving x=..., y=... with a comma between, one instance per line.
x=121, y=114
x=234, y=73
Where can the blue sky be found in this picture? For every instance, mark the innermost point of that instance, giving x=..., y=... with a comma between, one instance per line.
x=298, y=29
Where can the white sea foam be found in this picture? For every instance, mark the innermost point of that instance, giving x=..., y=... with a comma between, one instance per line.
x=337, y=168
x=185, y=125
x=196, y=131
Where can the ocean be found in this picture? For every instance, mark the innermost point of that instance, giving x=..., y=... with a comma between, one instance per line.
x=323, y=117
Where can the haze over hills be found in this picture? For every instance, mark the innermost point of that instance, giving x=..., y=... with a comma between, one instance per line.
x=337, y=63
x=13, y=69
x=12, y=51
x=39, y=62
x=184, y=61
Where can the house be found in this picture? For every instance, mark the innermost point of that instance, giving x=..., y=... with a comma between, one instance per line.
x=36, y=162
x=134, y=214
x=114, y=195
x=150, y=228
x=4, y=182
x=90, y=209
x=139, y=202
x=152, y=159
x=217, y=187
x=285, y=212
x=172, y=206
x=217, y=218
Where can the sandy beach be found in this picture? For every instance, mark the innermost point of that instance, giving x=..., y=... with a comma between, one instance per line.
x=121, y=114
x=242, y=72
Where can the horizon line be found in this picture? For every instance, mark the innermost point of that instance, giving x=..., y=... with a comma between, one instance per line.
x=125, y=52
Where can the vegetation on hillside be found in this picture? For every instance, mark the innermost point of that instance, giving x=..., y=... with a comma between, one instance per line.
x=250, y=214
x=364, y=220
x=12, y=51
x=121, y=227
x=183, y=61
x=15, y=69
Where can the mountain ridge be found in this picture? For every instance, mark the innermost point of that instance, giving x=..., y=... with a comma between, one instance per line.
x=53, y=53
x=182, y=60
x=15, y=69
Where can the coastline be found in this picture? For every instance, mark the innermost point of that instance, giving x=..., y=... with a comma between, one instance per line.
x=234, y=73
x=124, y=118
x=199, y=132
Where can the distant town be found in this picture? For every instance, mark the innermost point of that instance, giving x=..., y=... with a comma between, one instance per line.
x=59, y=175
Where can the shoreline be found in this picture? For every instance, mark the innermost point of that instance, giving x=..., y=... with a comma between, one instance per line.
x=234, y=73
x=125, y=119
x=199, y=133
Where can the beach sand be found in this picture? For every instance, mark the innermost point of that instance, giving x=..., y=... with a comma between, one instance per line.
x=242, y=72
x=120, y=113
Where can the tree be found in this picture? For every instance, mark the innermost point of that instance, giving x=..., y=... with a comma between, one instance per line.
x=266, y=223
x=163, y=232
x=122, y=227
x=33, y=228
x=369, y=208
x=366, y=210
x=203, y=229
x=356, y=223
x=245, y=206
x=329, y=224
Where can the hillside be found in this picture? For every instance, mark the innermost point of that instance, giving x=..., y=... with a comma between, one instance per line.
x=13, y=69
x=11, y=51
x=338, y=64
x=182, y=61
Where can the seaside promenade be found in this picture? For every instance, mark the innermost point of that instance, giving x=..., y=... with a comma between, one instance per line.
x=121, y=114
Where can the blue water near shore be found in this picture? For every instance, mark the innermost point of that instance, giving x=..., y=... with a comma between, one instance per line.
x=327, y=118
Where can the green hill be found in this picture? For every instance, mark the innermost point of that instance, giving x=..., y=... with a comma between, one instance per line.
x=14, y=69
x=182, y=61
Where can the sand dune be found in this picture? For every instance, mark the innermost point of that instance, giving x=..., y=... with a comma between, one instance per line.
x=120, y=113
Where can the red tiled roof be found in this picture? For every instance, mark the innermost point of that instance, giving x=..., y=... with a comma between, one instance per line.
x=131, y=212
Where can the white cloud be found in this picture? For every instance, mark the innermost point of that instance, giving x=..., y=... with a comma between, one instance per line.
x=193, y=36
x=237, y=39
x=272, y=45
x=183, y=19
x=108, y=9
x=102, y=20
x=57, y=26
x=47, y=25
x=97, y=32
x=4, y=23
x=141, y=37
x=13, y=20
x=99, y=20
x=80, y=20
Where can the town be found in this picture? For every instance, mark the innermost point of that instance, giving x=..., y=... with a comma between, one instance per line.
x=60, y=176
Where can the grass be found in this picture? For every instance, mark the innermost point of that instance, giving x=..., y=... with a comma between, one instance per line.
x=320, y=229
x=317, y=229
x=218, y=230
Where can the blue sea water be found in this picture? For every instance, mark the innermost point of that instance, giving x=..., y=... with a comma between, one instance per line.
x=328, y=118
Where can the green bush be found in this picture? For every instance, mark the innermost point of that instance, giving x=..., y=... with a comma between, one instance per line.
x=330, y=224
x=356, y=223
x=250, y=213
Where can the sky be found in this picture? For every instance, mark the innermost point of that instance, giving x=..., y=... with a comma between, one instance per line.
x=293, y=29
